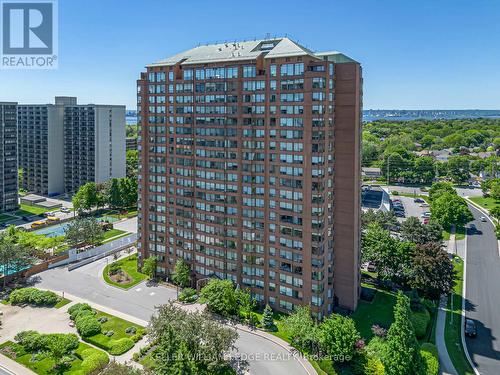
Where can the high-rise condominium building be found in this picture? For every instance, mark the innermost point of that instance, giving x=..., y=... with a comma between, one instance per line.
x=8, y=157
x=64, y=145
x=250, y=170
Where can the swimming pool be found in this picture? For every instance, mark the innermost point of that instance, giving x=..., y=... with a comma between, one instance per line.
x=53, y=231
x=59, y=229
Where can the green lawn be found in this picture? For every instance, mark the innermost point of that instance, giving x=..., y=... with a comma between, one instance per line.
x=452, y=333
x=487, y=203
x=379, y=311
x=26, y=209
x=115, y=324
x=129, y=265
x=459, y=233
x=44, y=366
x=61, y=303
x=112, y=233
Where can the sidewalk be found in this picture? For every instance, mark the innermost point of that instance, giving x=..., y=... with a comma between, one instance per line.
x=446, y=365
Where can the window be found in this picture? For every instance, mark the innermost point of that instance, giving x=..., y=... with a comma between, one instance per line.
x=170, y=76
x=200, y=74
x=248, y=71
x=292, y=69
x=188, y=74
x=232, y=72
x=272, y=70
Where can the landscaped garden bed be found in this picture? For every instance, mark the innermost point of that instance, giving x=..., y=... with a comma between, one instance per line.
x=123, y=273
x=36, y=297
x=47, y=354
x=108, y=332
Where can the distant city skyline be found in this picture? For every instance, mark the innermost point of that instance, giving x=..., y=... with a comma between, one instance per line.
x=415, y=55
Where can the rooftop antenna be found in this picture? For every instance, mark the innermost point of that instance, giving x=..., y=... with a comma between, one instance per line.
x=268, y=36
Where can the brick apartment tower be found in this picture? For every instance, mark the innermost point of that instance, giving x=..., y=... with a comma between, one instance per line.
x=250, y=170
x=8, y=157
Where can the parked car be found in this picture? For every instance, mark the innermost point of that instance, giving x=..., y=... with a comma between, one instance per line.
x=418, y=200
x=400, y=214
x=425, y=214
x=426, y=220
x=50, y=213
x=470, y=328
x=66, y=210
x=483, y=219
x=424, y=205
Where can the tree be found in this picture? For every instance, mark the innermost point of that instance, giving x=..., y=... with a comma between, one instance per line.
x=129, y=190
x=402, y=355
x=439, y=188
x=301, y=328
x=412, y=230
x=182, y=273
x=87, y=197
x=267, y=318
x=390, y=256
x=432, y=270
x=85, y=231
x=495, y=212
x=459, y=168
x=450, y=209
x=115, y=368
x=132, y=160
x=114, y=194
x=60, y=345
x=149, y=267
x=338, y=336
x=13, y=256
x=220, y=297
x=246, y=302
x=424, y=170
x=495, y=190
x=386, y=220
x=194, y=335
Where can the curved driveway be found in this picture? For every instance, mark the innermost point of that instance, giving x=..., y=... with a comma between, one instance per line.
x=483, y=295
x=263, y=356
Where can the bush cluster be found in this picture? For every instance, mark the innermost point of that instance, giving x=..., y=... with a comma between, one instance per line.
x=188, y=295
x=420, y=321
x=33, y=296
x=33, y=341
x=429, y=354
x=84, y=317
x=93, y=359
x=120, y=346
x=114, y=268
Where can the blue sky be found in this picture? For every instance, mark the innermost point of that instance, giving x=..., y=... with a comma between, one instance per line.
x=425, y=54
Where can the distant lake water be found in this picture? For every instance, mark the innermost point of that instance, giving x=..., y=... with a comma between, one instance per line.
x=131, y=120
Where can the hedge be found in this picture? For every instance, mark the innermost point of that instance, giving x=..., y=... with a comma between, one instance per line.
x=429, y=354
x=78, y=308
x=87, y=325
x=120, y=346
x=93, y=360
x=33, y=341
x=420, y=321
x=33, y=296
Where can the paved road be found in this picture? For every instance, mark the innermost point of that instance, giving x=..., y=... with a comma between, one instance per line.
x=464, y=192
x=86, y=282
x=483, y=296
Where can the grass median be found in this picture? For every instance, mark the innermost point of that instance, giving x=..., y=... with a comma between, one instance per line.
x=452, y=331
x=129, y=266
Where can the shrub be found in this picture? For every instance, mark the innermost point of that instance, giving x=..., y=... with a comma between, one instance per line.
x=379, y=331
x=136, y=357
x=87, y=325
x=114, y=268
x=138, y=336
x=118, y=347
x=373, y=366
x=430, y=356
x=131, y=330
x=30, y=340
x=78, y=308
x=93, y=360
x=33, y=296
x=188, y=295
x=420, y=321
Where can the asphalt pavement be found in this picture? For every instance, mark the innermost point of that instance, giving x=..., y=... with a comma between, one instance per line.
x=263, y=356
x=483, y=295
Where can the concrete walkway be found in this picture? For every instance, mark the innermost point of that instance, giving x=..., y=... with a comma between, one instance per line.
x=445, y=362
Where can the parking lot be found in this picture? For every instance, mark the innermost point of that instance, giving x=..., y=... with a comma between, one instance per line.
x=411, y=208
